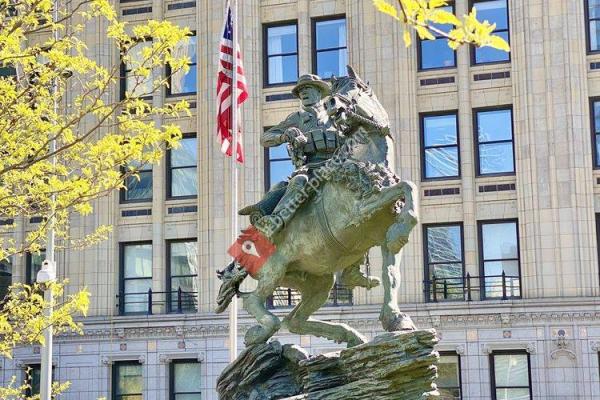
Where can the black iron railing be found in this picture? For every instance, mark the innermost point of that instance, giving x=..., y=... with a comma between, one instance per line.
x=286, y=297
x=151, y=302
x=469, y=288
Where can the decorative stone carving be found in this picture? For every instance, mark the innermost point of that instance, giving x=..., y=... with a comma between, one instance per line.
x=488, y=348
x=561, y=343
x=562, y=347
x=112, y=358
x=168, y=357
x=23, y=361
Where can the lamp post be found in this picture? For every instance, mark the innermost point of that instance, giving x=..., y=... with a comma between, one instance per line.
x=47, y=273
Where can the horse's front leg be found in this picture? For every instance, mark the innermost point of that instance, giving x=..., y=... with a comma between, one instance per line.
x=398, y=234
x=269, y=278
x=392, y=319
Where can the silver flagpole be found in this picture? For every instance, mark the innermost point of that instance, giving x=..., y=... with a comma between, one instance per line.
x=233, y=308
x=47, y=273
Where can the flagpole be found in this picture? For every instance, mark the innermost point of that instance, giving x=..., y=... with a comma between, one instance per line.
x=233, y=308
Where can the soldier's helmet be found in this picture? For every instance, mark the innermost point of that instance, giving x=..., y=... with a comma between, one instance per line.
x=312, y=80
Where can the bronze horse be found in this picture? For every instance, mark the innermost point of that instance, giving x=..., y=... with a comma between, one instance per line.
x=356, y=203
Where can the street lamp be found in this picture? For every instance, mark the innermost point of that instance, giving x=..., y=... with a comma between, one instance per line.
x=47, y=275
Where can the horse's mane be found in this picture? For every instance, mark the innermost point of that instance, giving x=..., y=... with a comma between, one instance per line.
x=365, y=97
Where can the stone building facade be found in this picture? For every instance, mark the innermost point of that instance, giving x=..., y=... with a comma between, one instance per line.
x=503, y=148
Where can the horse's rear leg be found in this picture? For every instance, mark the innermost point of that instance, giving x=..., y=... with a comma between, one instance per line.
x=392, y=319
x=315, y=292
x=353, y=277
x=254, y=302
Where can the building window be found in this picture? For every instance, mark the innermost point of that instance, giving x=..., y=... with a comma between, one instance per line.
x=598, y=238
x=182, y=167
x=434, y=54
x=182, y=82
x=127, y=381
x=510, y=375
x=449, y=380
x=184, y=380
x=136, y=277
x=278, y=165
x=32, y=380
x=444, y=262
x=33, y=265
x=7, y=72
x=284, y=297
x=138, y=187
x=592, y=13
x=182, y=256
x=499, y=259
x=330, y=50
x=5, y=276
x=596, y=131
x=132, y=83
x=496, y=12
x=439, y=139
x=281, y=46
x=33, y=375
x=494, y=140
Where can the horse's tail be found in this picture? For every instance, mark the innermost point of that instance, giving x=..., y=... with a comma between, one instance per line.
x=232, y=277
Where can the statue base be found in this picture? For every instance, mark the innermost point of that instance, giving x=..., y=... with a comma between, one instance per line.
x=394, y=365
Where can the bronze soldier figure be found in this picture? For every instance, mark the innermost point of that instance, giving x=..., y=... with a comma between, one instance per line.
x=312, y=139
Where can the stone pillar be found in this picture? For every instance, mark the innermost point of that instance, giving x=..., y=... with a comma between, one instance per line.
x=553, y=149
x=467, y=168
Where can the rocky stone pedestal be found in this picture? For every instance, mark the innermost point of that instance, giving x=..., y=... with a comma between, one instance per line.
x=393, y=366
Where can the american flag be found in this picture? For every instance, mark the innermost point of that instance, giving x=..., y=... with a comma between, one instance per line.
x=224, y=89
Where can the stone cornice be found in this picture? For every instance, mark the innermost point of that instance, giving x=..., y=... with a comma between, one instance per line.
x=357, y=318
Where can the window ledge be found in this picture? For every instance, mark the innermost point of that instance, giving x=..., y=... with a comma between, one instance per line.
x=178, y=96
x=438, y=72
x=186, y=201
x=280, y=88
x=497, y=66
x=496, y=179
x=436, y=183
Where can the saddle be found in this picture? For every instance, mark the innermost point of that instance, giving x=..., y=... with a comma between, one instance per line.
x=266, y=205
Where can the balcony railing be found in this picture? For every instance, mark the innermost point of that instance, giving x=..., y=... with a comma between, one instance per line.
x=286, y=297
x=151, y=302
x=469, y=288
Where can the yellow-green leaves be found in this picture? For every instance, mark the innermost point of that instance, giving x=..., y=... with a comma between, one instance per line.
x=386, y=8
x=498, y=43
x=478, y=33
x=61, y=93
x=407, y=38
x=427, y=17
x=23, y=320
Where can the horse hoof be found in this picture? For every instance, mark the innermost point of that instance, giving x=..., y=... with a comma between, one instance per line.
x=354, y=343
x=355, y=340
x=373, y=282
x=256, y=335
x=399, y=322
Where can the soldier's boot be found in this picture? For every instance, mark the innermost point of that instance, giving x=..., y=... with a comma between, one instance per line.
x=294, y=196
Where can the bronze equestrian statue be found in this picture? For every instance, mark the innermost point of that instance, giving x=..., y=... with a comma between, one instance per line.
x=342, y=200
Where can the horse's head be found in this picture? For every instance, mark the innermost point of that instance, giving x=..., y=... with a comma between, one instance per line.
x=350, y=98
